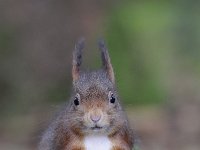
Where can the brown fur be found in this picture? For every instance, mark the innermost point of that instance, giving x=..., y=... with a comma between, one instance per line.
x=77, y=58
x=122, y=139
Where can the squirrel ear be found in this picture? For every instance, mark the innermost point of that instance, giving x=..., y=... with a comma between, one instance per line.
x=106, y=60
x=77, y=59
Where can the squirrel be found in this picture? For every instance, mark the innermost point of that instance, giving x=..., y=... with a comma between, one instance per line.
x=93, y=119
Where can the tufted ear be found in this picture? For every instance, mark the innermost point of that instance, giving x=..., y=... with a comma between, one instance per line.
x=77, y=59
x=106, y=61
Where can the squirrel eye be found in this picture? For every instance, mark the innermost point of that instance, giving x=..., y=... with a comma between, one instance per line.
x=76, y=100
x=111, y=97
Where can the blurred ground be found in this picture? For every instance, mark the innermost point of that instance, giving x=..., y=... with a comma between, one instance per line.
x=154, y=127
x=154, y=48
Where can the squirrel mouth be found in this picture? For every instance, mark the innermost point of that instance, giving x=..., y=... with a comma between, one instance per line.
x=96, y=128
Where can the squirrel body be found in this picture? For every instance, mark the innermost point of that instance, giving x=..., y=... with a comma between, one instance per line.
x=93, y=119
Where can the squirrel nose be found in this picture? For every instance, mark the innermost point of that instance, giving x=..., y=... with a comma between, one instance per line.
x=95, y=118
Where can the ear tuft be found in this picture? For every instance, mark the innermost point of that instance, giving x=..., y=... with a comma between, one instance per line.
x=77, y=59
x=106, y=60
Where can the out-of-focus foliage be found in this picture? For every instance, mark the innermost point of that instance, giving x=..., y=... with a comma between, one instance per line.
x=143, y=38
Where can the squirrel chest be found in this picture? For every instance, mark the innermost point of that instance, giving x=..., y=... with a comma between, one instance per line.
x=97, y=142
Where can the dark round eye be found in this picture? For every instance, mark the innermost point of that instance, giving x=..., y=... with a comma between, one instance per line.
x=76, y=101
x=112, y=99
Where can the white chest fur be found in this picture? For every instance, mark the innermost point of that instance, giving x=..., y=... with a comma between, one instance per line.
x=97, y=142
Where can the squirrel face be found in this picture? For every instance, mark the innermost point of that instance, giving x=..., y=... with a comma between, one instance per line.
x=94, y=104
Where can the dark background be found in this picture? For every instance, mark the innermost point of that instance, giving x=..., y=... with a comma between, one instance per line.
x=154, y=47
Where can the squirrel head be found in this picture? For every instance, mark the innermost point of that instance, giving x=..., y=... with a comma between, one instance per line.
x=94, y=105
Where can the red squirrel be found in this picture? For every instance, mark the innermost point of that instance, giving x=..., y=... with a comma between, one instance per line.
x=93, y=119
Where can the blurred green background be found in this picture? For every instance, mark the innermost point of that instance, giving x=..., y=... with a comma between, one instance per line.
x=154, y=48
